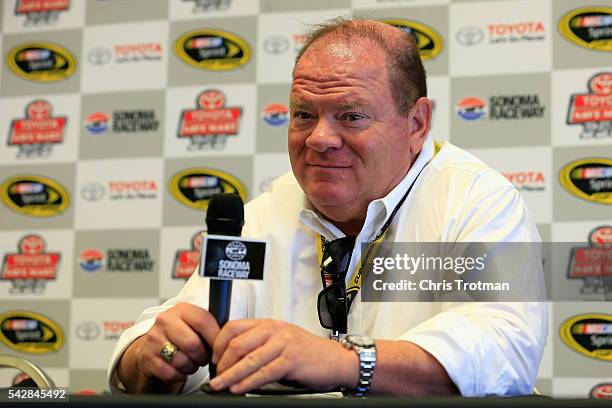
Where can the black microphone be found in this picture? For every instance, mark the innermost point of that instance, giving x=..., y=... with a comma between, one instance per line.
x=225, y=216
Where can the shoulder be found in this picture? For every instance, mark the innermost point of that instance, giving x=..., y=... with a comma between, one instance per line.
x=280, y=203
x=477, y=201
x=458, y=165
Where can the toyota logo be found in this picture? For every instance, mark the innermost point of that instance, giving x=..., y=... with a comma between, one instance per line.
x=87, y=331
x=276, y=44
x=471, y=35
x=93, y=192
x=99, y=56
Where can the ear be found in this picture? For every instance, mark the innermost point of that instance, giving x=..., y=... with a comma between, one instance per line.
x=420, y=122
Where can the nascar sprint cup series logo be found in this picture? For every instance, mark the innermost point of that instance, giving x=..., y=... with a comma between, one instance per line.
x=589, y=179
x=194, y=187
x=589, y=335
x=593, y=109
x=37, y=132
x=30, y=268
x=213, y=50
x=588, y=27
x=34, y=196
x=426, y=38
x=211, y=124
x=30, y=332
x=41, y=62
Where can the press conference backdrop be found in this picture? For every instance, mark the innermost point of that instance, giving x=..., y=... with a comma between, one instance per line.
x=119, y=118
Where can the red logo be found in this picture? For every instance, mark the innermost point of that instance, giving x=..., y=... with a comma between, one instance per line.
x=187, y=260
x=524, y=31
x=38, y=131
x=593, y=110
x=593, y=263
x=41, y=6
x=516, y=28
x=31, y=267
x=211, y=124
x=527, y=180
x=41, y=11
x=601, y=391
x=114, y=328
x=138, y=52
x=142, y=189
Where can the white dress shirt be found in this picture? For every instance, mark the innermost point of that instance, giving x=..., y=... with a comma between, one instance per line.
x=486, y=348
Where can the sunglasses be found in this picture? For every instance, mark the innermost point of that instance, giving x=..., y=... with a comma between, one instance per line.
x=332, y=303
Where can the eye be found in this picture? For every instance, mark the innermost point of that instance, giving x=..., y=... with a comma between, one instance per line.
x=352, y=117
x=300, y=115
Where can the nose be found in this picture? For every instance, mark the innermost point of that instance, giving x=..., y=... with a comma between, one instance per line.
x=323, y=137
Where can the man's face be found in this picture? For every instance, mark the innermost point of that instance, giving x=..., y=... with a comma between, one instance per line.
x=347, y=143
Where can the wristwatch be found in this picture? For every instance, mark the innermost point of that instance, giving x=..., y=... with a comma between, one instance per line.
x=366, y=350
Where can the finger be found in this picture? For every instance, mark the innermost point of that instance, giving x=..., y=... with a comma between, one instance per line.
x=183, y=364
x=274, y=371
x=229, y=331
x=249, y=364
x=201, y=321
x=165, y=372
x=241, y=345
x=188, y=342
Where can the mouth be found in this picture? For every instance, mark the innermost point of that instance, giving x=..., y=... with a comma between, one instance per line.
x=328, y=166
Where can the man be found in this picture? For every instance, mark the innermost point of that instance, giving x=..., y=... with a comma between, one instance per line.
x=361, y=159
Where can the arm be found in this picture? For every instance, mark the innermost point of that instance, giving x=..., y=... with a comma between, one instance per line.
x=251, y=353
x=399, y=360
x=490, y=348
x=477, y=349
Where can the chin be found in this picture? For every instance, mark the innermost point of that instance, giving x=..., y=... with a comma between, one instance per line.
x=328, y=197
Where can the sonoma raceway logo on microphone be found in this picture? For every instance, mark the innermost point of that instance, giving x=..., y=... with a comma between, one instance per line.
x=235, y=268
x=225, y=257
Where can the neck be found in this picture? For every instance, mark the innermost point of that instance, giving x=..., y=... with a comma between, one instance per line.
x=349, y=228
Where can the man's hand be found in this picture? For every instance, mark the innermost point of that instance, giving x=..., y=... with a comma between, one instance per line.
x=251, y=353
x=190, y=328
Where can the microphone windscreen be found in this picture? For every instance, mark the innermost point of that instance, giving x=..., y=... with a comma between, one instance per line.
x=225, y=214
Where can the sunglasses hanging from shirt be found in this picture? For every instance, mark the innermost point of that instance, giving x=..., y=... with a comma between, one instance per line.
x=334, y=301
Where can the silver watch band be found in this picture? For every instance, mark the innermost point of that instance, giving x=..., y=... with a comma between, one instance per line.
x=366, y=350
x=367, y=363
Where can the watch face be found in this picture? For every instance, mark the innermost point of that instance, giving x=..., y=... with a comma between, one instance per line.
x=360, y=341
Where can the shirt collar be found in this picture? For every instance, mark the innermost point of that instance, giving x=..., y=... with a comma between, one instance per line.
x=378, y=210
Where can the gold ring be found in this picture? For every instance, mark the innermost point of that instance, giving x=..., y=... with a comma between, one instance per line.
x=168, y=351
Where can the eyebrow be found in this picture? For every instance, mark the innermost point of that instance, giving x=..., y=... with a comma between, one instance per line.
x=305, y=105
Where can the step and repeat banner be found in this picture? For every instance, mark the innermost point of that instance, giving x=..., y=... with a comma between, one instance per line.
x=118, y=119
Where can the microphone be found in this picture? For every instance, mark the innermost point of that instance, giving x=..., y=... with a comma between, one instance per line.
x=225, y=216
